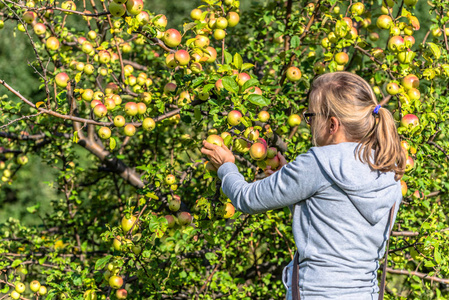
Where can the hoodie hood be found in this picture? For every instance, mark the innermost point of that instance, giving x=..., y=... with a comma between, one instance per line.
x=373, y=193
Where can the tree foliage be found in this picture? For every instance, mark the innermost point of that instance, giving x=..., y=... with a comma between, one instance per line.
x=186, y=242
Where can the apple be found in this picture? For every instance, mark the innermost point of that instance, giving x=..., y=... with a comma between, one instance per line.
x=215, y=139
x=384, y=22
x=148, y=124
x=62, y=79
x=184, y=98
x=233, y=18
x=29, y=17
x=170, y=221
x=392, y=88
x=294, y=120
x=100, y=110
x=201, y=41
x=182, y=57
x=134, y=7
x=395, y=31
x=170, y=179
x=129, y=130
x=373, y=36
x=89, y=295
x=403, y=188
x=228, y=210
x=254, y=90
x=89, y=69
x=258, y=151
x=409, y=40
x=15, y=295
x=169, y=88
x=341, y=58
x=293, y=74
x=242, y=78
x=410, y=81
x=410, y=121
x=219, y=34
x=358, y=8
x=210, y=167
x=141, y=108
x=251, y=133
x=80, y=66
x=2, y=24
x=185, y=218
x=272, y=152
x=352, y=34
x=92, y=35
x=121, y=294
x=143, y=18
x=406, y=57
x=160, y=21
x=219, y=85
x=42, y=290
x=174, y=204
x=211, y=53
x=19, y=287
x=117, y=99
x=263, y=116
x=22, y=160
x=196, y=13
x=221, y=23
x=131, y=108
x=104, y=133
x=68, y=5
x=119, y=121
x=104, y=57
x=409, y=164
x=109, y=103
x=52, y=43
x=127, y=224
x=273, y=162
x=234, y=117
x=34, y=286
x=196, y=67
x=87, y=47
x=115, y=281
x=172, y=37
x=396, y=43
x=410, y=2
x=39, y=29
x=95, y=103
x=413, y=94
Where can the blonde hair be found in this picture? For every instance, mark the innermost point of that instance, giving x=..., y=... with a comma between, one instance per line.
x=350, y=99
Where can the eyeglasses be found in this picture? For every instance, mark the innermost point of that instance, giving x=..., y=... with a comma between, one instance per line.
x=308, y=116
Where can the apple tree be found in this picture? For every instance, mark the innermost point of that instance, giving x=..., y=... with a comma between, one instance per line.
x=125, y=100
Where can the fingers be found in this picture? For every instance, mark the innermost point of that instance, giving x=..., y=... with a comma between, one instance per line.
x=207, y=151
x=208, y=145
x=282, y=159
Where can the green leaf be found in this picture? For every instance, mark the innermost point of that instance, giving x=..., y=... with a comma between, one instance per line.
x=188, y=26
x=75, y=137
x=247, y=66
x=436, y=51
x=238, y=61
x=437, y=255
x=250, y=83
x=16, y=263
x=228, y=57
x=295, y=42
x=34, y=208
x=102, y=262
x=259, y=100
x=230, y=84
x=210, y=256
x=112, y=143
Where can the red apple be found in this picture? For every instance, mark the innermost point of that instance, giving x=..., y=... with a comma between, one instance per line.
x=219, y=85
x=141, y=108
x=258, y=151
x=131, y=109
x=170, y=220
x=234, y=117
x=215, y=139
x=263, y=116
x=100, y=110
x=169, y=88
x=160, y=21
x=134, y=7
x=109, y=103
x=410, y=121
x=182, y=57
x=384, y=22
x=273, y=162
x=211, y=54
x=396, y=43
x=202, y=41
x=115, y=281
x=121, y=294
x=228, y=210
x=341, y=58
x=410, y=81
x=185, y=218
x=52, y=43
x=29, y=16
x=293, y=74
x=129, y=130
x=172, y=37
x=254, y=90
x=409, y=164
x=62, y=79
x=242, y=78
x=39, y=29
x=403, y=188
x=233, y=18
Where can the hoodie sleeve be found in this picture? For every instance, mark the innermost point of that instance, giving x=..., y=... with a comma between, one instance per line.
x=294, y=182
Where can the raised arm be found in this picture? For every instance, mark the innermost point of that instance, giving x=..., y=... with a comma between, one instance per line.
x=295, y=182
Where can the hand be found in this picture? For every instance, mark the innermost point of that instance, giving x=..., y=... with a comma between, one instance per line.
x=282, y=162
x=217, y=155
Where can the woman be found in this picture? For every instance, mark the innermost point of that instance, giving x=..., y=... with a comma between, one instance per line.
x=340, y=192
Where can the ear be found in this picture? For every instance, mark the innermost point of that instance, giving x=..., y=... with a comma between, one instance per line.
x=334, y=125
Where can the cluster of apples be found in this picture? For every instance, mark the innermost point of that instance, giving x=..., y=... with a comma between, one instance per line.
x=407, y=90
x=115, y=281
x=35, y=287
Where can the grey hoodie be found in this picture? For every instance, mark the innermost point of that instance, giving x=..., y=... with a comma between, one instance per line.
x=340, y=218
